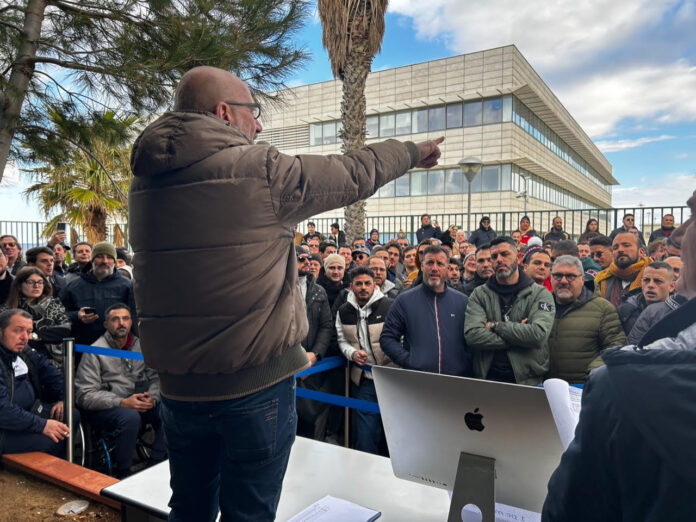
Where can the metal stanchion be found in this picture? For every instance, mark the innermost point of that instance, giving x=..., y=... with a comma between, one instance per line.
x=68, y=374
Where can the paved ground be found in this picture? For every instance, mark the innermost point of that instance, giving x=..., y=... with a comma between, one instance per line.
x=25, y=498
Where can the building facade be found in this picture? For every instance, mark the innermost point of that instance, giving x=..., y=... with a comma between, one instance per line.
x=489, y=104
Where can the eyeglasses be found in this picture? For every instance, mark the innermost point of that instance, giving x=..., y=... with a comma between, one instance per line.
x=570, y=277
x=10, y=244
x=303, y=259
x=255, y=108
x=35, y=284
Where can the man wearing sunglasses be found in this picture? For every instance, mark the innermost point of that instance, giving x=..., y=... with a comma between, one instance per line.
x=228, y=342
x=585, y=323
x=13, y=252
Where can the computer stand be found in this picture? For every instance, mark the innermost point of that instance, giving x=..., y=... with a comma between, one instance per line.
x=474, y=484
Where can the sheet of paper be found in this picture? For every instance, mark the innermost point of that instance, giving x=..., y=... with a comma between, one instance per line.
x=503, y=513
x=332, y=509
x=564, y=401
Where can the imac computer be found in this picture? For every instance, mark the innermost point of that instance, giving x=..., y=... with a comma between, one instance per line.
x=486, y=441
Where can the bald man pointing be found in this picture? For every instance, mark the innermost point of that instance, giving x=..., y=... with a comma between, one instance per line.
x=225, y=338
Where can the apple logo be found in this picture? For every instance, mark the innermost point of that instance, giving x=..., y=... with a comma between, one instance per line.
x=473, y=420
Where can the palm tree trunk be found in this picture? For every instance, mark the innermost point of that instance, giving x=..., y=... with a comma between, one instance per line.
x=95, y=228
x=357, y=67
x=12, y=97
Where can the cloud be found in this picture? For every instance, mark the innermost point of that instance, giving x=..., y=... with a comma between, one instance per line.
x=669, y=190
x=619, y=145
x=550, y=34
x=663, y=93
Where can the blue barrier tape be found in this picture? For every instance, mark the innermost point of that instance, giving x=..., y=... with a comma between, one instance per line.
x=338, y=400
x=325, y=364
x=109, y=352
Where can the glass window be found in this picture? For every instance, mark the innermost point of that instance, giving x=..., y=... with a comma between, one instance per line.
x=454, y=115
x=419, y=183
x=490, y=177
x=476, y=184
x=472, y=113
x=505, y=177
x=403, y=186
x=507, y=108
x=315, y=134
x=386, y=124
x=372, y=124
x=493, y=110
x=436, y=182
x=419, y=122
x=329, y=130
x=387, y=191
x=454, y=181
x=436, y=118
x=403, y=122
x=339, y=128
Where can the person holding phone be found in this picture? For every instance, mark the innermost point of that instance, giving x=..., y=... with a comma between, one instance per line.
x=120, y=395
x=87, y=297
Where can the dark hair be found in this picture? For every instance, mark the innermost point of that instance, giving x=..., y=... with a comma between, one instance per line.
x=670, y=215
x=19, y=245
x=532, y=251
x=335, y=225
x=627, y=215
x=485, y=246
x=504, y=239
x=16, y=288
x=357, y=239
x=360, y=270
x=408, y=248
x=311, y=224
x=455, y=261
x=587, y=225
x=33, y=254
x=315, y=257
x=325, y=244
x=588, y=236
x=435, y=249
x=566, y=247
x=661, y=265
x=525, y=218
x=122, y=254
x=424, y=215
x=7, y=315
x=393, y=244
x=601, y=240
x=377, y=248
x=117, y=306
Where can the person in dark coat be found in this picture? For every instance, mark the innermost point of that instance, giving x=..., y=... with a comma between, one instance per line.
x=428, y=231
x=484, y=270
x=665, y=230
x=484, y=234
x=98, y=289
x=312, y=415
x=31, y=392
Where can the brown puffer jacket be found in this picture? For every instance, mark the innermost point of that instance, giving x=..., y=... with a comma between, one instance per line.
x=211, y=217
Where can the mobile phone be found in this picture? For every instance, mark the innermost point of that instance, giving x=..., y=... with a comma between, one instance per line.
x=90, y=310
x=60, y=227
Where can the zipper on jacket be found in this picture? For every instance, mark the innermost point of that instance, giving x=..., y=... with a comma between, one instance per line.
x=439, y=339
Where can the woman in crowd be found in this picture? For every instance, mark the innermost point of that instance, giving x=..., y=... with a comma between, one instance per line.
x=591, y=228
x=32, y=292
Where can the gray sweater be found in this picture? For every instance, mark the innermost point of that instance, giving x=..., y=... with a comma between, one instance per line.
x=102, y=382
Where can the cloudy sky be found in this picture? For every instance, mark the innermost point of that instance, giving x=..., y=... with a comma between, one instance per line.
x=625, y=69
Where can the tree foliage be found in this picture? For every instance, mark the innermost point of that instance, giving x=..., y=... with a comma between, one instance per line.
x=85, y=56
x=84, y=177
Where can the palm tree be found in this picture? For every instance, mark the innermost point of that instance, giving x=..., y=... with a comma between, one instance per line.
x=88, y=188
x=352, y=35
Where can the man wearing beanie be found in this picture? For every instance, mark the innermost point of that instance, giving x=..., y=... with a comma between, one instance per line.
x=333, y=277
x=87, y=297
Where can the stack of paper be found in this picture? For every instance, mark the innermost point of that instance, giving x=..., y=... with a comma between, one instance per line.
x=332, y=509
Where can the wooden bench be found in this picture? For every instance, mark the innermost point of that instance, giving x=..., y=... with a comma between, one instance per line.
x=64, y=474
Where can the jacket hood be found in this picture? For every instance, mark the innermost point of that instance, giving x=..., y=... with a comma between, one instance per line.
x=376, y=296
x=388, y=286
x=165, y=144
x=653, y=390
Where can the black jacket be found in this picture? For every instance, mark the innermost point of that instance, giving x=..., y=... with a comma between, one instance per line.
x=481, y=236
x=630, y=309
x=319, y=318
x=633, y=454
x=428, y=232
x=474, y=284
x=661, y=233
x=651, y=316
x=46, y=382
x=88, y=291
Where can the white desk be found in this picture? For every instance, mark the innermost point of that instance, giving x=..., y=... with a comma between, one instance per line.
x=315, y=469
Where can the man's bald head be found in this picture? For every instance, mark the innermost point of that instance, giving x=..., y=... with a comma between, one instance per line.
x=202, y=88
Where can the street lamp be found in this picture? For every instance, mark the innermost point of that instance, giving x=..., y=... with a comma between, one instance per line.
x=470, y=167
x=524, y=194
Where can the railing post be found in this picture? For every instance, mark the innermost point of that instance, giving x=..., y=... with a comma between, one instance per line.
x=68, y=374
x=346, y=423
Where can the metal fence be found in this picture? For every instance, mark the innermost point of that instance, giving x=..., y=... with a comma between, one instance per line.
x=32, y=233
x=647, y=219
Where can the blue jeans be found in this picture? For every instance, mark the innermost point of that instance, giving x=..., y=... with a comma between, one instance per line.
x=230, y=455
x=367, y=429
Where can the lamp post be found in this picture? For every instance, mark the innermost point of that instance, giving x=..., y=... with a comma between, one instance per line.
x=470, y=167
x=524, y=194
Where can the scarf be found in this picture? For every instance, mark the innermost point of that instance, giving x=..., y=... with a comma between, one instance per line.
x=633, y=273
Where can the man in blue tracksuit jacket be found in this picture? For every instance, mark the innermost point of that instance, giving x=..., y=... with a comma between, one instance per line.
x=430, y=318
